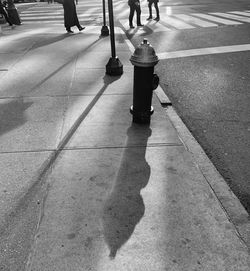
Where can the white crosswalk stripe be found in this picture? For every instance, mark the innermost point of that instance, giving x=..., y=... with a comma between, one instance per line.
x=241, y=13
x=175, y=23
x=92, y=11
x=216, y=19
x=232, y=16
x=193, y=20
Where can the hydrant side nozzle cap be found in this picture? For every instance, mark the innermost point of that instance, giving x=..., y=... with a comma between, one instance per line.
x=144, y=55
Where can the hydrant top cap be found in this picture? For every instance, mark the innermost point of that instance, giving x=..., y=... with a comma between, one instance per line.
x=144, y=55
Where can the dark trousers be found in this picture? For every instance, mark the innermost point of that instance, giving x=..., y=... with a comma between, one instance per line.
x=134, y=8
x=156, y=9
x=2, y=11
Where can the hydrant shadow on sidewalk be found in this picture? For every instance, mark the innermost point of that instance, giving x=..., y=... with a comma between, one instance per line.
x=124, y=207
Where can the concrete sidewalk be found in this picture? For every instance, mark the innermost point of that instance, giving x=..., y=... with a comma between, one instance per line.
x=97, y=191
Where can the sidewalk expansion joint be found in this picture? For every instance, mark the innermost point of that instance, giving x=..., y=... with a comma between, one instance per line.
x=61, y=95
x=151, y=145
x=27, y=151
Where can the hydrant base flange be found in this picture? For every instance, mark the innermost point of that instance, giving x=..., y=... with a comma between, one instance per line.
x=141, y=117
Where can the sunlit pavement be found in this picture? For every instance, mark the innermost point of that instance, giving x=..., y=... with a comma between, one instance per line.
x=83, y=188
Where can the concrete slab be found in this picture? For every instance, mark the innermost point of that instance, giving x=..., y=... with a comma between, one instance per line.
x=110, y=118
x=31, y=123
x=18, y=174
x=90, y=81
x=18, y=46
x=97, y=59
x=8, y=60
x=47, y=68
x=29, y=81
x=134, y=209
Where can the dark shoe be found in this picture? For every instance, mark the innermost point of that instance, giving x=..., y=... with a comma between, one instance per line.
x=157, y=19
x=81, y=28
x=131, y=26
x=140, y=25
x=149, y=18
x=69, y=31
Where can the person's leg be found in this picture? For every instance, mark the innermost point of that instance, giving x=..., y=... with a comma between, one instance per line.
x=68, y=29
x=138, y=16
x=157, y=11
x=150, y=10
x=77, y=23
x=7, y=19
x=131, y=15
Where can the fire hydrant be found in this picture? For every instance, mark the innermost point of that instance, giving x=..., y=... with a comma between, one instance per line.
x=145, y=81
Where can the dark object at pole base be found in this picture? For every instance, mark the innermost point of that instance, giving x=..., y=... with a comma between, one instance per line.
x=105, y=31
x=141, y=117
x=114, y=67
x=14, y=16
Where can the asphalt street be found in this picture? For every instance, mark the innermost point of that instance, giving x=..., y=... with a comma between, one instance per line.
x=210, y=91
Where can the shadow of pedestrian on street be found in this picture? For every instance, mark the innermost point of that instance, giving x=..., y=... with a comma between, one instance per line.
x=12, y=114
x=49, y=41
x=124, y=207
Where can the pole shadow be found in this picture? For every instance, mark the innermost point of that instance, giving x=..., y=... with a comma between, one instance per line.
x=124, y=207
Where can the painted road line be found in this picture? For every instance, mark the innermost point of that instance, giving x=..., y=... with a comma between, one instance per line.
x=205, y=51
x=136, y=30
x=46, y=19
x=57, y=22
x=32, y=17
x=90, y=10
x=36, y=18
x=194, y=20
x=122, y=10
x=120, y=31
x=152, y=25
x=42, y=12
x=52, y=19
x=37, y=8
x=156, y=26
x=120, y=6
x=240, y=13
x=175, y=23
x=232, y=16
x=216, y=19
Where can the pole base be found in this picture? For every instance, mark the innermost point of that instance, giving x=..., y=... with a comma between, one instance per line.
x=141, y=117
x=114, y=67
x=104, y=31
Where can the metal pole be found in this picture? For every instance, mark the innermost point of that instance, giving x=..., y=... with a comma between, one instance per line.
x=111, y=24
x=114, y=66
x=105, y=30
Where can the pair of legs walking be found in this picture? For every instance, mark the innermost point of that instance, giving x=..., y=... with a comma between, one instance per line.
x=133, y=9
x=156, y=9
